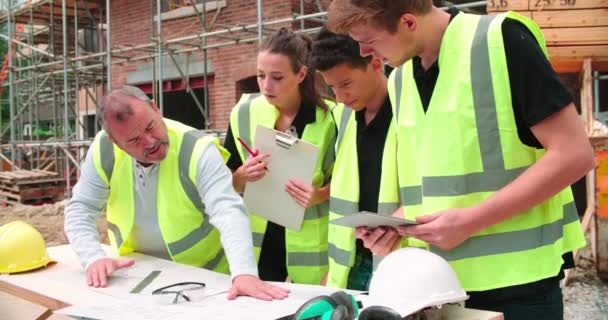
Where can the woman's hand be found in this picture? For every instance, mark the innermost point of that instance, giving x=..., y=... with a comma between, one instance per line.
x=253, y=169
x=305, y=194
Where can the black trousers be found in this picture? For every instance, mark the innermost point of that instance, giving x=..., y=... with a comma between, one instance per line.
x=537, y=301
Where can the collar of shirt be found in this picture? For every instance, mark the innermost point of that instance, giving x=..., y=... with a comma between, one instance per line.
x=142, y=172
x=306, y=114
x=381, y=120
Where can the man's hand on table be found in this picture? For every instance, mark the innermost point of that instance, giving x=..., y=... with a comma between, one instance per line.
x=249, y=285
x=100, y=270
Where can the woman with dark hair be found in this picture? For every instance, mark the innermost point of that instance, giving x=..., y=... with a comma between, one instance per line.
x=288, y=101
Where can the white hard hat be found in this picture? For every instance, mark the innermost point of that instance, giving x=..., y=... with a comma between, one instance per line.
x=411, y=279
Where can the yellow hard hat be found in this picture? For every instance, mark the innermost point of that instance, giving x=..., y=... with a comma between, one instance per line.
x=22, y=248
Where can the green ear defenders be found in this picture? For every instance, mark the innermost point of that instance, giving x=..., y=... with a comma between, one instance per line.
x=337, y=306
x=341, y=306
x=379, y=313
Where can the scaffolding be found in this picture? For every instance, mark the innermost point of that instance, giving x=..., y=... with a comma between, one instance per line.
x=60, y=54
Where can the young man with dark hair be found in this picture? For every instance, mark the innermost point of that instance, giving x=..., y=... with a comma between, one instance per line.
x=365, y=168
x=489, y=143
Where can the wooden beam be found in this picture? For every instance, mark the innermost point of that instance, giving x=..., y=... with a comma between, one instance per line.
x=587, y=96
x=37, y=298
x=578, y=53
x=45, y=315
x=575, y=65
x=538, y=5
x=527, y=14
x=507, y=5
x=566, y=4
x=571, y=18
x=576, y=36
x=590, y=183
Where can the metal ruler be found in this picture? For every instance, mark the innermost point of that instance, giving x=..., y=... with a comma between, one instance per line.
x=145, y=282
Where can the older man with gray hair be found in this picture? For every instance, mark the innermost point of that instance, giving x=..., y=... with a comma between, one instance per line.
x=167, y=193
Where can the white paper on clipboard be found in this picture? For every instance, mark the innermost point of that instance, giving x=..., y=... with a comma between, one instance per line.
x=371, y=220
x=289, y=158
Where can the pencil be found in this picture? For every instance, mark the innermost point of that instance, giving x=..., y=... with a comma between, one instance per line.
x=253, y=154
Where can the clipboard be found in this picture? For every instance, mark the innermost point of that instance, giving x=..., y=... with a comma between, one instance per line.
x=290, y=158
x=371, y=220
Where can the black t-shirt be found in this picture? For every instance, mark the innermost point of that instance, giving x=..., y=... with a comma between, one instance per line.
x=370, y=147
x=536, y=93
x=272, y=265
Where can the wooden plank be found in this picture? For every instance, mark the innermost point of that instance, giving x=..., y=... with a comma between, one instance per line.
x=578, y=52
x=574, y=65
x=46, y=301
x=24, y=174
x=9, y=186
x=44, y=172
x=45, y=315
x=507, y=5
x=39, y=182
x=20, y=174
x=7, y=201
x=70, y=12
x=571, y=18
x=42, y=193
x=10, y=195
x=539, y=5
x=587, y=95
x=8, y=175
x=34, y=194
x=527, y=14
x=566, y=4
x=585, y=223
x=576, y=36
x=13, y=176
x=601, y=218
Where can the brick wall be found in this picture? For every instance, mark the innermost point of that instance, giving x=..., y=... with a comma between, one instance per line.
x=132, y=24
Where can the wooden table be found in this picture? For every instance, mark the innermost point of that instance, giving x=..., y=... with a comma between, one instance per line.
x=39, y=288
x=63, y=284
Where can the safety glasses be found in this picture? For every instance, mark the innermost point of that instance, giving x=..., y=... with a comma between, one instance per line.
x=183, y=291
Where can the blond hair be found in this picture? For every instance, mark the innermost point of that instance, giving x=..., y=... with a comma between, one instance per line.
x=383, y=14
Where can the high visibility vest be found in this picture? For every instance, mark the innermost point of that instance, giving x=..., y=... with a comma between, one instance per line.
x=189, y=237
x=344, y=192
x=466, y=148
x=307, y=248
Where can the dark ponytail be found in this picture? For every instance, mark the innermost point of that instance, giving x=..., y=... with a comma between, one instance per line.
x=297, y=48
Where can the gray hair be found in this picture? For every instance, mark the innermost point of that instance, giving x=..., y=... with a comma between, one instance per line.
x=116, y=104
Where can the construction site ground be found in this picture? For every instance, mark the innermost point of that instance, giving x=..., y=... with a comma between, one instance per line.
x=585, y=296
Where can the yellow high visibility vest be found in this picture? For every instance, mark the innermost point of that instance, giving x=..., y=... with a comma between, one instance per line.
x=466, y=147
x=344, y=192
x=307, y=248
x=184, y=225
